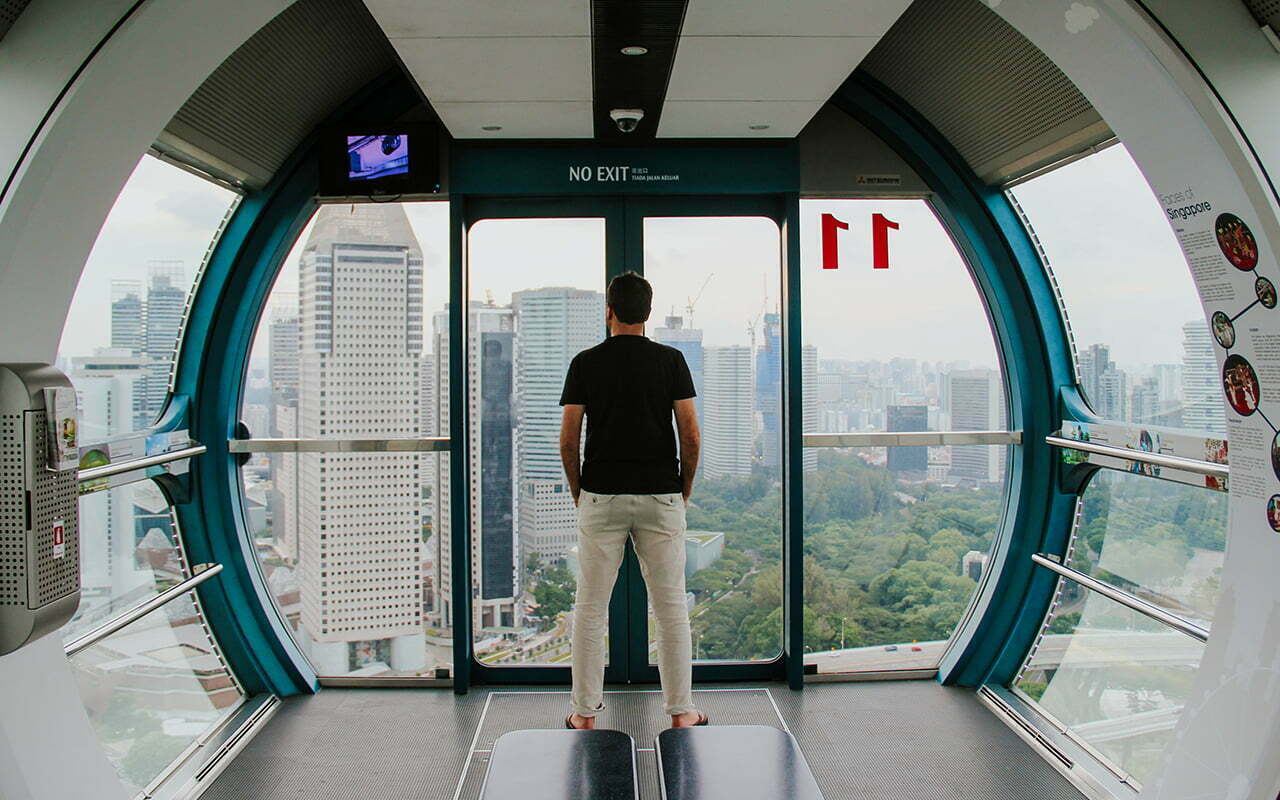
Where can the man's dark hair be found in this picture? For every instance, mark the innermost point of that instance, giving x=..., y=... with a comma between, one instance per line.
x=631, y=298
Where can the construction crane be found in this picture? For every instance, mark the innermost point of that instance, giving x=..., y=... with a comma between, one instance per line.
x=694, y=300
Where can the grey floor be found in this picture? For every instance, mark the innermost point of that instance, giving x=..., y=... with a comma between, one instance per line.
x=906, y=740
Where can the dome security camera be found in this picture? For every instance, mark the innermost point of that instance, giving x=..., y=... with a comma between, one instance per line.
x=627, y=119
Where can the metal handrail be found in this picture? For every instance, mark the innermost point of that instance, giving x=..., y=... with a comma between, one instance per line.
x=1124, y=598
x=425, y=444
x=201, y=573
x=911, y=438
x=119, y=468
x=1142, y=456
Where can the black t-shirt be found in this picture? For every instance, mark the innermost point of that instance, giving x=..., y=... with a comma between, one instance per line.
x=628, y=384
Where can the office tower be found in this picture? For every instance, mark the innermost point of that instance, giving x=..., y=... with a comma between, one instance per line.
x=359, y=515
x=977, y=404
x=1202, y=403
x=106, y=385
x=491, y=345
x=908, y=459
x=689, y=342
x=166, y=302
x=769, y=391
x=553, y=325
x=1106, y=387
x=809, y=377
x=283, y=349
x=127, y=316
x=1144, y=402
x=429, y=462
x=728, y=435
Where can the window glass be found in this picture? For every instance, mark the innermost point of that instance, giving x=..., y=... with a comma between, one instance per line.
x=1160, y=540
x=153, y=689
x=347, y=541
x=897, y=538
x=1143, y=349
x=134, y=288
x=721, y=310
x=129, y=553
x=537, y=300
x=1114, y=678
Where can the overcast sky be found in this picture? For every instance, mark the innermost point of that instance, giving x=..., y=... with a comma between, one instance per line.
x=1123, y=278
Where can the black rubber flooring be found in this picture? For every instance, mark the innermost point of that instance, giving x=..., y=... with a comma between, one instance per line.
x=908, y=740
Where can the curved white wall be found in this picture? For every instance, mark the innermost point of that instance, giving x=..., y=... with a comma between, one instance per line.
x=1191, y=153
x=49, y=218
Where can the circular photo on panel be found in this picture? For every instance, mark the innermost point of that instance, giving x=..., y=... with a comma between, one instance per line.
x=1223, y=330
x=1273, y=512
x=1275, y=455
x=1266, y=292
x=1236, y=241
x=1240, y=384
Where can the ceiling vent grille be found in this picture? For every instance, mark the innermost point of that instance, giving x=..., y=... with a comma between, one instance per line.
x=1266, y=12
x=998, y=99
x=10, y=10
x=256, y=108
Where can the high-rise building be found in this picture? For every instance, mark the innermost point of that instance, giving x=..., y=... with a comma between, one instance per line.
x=809, y=377
x=552, y=326
x=1106, y=387
x=1202, y=403
x=728, y=434
x=127, y=316
x=106, y=385
x=689, y=342
x=1144, y=402
x=977, y=404
x=908, y=459
x=283, y=349
x=769, y=391
x=491, y=344
x=166, y=301
x=359, y=515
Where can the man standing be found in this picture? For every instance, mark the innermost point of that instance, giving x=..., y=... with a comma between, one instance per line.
x=630, y=484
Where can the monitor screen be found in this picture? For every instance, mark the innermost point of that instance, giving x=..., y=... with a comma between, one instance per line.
x=374, y=157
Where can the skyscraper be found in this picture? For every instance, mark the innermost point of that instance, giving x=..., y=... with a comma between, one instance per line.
x=491, y=345
x=166, y=301
x=552, y=326
x=359, y=531
x=126, y=316
x=1106, y=387
x=977, y=404
x=728, y=434
x=769, y=391
x=908, y=459
x=809, y=378
x=1203, y=406
x=689, y=342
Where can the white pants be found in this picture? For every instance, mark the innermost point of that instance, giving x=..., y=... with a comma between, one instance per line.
x=656, y=525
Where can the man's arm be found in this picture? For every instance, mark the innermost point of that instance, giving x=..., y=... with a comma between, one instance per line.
x=570, y=446
x=690, y=442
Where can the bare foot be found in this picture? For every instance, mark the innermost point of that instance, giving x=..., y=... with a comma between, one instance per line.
x=582, y=723
x=686, y=720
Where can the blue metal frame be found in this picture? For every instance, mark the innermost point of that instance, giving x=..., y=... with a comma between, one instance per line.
x=1003, y=622
x=1005, y=617
x=210, y=371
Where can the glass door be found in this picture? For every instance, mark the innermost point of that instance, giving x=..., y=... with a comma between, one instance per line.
x=537, y=272
x=716, y=270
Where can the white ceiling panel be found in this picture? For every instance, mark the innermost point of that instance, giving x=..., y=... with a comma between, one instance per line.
x=436, y=18
x=499, y=69
x=734, y=119
x=791, y=18
x=764, y=68
x=567, y=120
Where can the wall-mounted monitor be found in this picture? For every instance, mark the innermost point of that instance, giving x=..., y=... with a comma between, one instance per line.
x=379, y=161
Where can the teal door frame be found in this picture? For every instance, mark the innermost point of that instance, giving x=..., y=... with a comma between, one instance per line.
x=624, y=250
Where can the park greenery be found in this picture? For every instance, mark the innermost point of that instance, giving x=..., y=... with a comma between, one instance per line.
x=882, y=558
